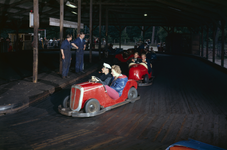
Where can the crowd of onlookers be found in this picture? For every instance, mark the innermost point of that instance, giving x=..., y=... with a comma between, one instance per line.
x=6, y=45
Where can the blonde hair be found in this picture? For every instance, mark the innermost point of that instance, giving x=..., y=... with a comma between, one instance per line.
x=116, y=68
x=143, y=54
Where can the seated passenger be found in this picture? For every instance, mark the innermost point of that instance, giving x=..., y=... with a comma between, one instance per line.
x=135, y=59
x=118, y=83
x=147, y=62
x=148, y=54
x=106, y=76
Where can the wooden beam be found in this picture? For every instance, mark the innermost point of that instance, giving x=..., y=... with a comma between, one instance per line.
x=91, y=31
x=100, y=29
x=214, y=35
x=207, y=44
x=116, y=27
x=107, y=28
x=120, y=36
x=61, y=32
x=147, y=28
x=223, y=43
x=153, y=34
x=140, y=28
x=165, y=29
x=194, y=12
x=35, y=40
x=95, y=27
x=79, y=16
x=202, y=42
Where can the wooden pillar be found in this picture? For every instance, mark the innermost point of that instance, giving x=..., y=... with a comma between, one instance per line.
x=35, y=48
x=202, y=42
x=90, y=26
x=214, y=34
x=207, y=44
x=107, y=28
x=100, y=29
x=143, y=33
x=153, y=32
x=120, y=37
x=61, y=32
x=79, y=16
x=223, y=44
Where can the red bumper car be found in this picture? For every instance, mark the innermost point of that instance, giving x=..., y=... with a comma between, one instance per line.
x=120, y=59
x=139, y=73
x=90, y=99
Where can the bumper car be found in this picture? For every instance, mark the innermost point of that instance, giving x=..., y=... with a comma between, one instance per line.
x=113, y=52
x=139, y=73
x=192, y=145
x=122, y=58
x=90, y=99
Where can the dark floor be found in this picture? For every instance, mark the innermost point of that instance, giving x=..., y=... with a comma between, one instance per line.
x=188, y=99
x=18, y=65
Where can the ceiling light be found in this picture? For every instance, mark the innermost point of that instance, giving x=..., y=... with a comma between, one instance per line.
x=145, y=15
x=74, y=12
x=70, y=4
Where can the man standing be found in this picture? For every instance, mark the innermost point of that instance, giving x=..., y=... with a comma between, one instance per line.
x=66, y=56
x=80, y=46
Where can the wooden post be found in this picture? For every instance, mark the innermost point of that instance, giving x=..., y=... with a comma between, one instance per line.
x=120, y=37
x=143, y=33
x=61, y=32
x=35, y=48
x=202, y=42
x=214, y=34
x=100, y=29
x=207, y=44
x=107, y=28
x=223, y=44
x=90, y=26
x=153, y=32
x=79, y=16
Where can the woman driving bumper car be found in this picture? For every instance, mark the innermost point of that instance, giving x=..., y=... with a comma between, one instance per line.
x=118, y=83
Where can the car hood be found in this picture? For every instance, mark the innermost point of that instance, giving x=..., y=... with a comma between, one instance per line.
x=87, y=86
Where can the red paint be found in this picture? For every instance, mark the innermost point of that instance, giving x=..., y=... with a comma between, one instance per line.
x=121, y=59
x=137, y=72
x=97, y=91
x=181, y=148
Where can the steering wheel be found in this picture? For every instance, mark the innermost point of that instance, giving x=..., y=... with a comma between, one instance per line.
x=100, y=81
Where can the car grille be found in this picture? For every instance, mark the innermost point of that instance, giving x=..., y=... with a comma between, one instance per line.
x=75, y=98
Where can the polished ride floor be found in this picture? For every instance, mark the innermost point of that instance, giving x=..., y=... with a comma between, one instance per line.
x=188, y=99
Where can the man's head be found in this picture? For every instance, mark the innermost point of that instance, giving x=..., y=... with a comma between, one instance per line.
x=136, y=55
x=81, y=35
x=143, y=56
x=69, y=37
x=105, y=68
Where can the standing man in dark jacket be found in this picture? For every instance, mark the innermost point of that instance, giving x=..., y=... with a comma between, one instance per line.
x=80, y=46
x=66, y=56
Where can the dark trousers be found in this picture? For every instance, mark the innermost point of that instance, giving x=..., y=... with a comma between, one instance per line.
x=66, y=65
x=79, y=62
